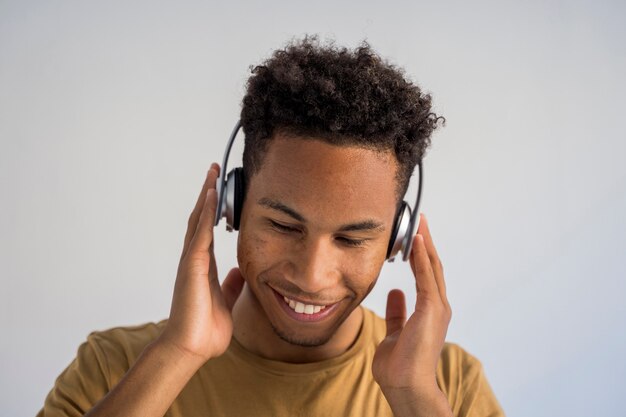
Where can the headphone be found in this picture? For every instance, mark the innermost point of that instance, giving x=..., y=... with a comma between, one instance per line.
x=231, y=196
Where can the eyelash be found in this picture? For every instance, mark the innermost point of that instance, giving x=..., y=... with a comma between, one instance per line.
x=353, y=243
x=286, y=229
x=282, y=228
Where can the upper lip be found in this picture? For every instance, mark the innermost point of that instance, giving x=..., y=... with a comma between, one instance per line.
x=303, y=301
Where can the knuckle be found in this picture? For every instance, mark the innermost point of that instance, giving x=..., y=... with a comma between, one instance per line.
x=429, y=303
x=421, y=268
x=197, y=263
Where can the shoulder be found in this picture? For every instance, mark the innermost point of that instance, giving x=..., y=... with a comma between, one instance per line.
x=117, y=348
x=129, y=336
x=461, y=376
x=457, y=365
x=100, y=362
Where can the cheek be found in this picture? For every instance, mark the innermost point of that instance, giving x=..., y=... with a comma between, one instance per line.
x=253, y=253
x=363, y=273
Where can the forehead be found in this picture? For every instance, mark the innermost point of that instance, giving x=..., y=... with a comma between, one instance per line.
x=317, y=176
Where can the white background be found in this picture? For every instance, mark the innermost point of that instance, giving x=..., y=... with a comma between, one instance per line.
x=111, y=113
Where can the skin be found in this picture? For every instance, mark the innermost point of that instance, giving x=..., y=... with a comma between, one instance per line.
x=314, y=260
x=329, y=187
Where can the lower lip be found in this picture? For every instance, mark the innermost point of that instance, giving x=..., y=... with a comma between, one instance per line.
x=321, y=315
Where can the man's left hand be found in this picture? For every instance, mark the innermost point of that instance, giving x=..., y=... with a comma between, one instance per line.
x=405, y=362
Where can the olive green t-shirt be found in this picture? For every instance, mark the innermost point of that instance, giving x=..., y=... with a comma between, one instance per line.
x=240, y=383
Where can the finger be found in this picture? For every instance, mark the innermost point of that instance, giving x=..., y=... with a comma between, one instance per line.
x=422, y=269
x=232, y=286
x=192, y=224
x=202, y=240
x=435, y=261
x=214, y=282
x=395, y=316
x=195, y=214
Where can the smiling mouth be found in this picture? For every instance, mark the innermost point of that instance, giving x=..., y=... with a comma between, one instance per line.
x=304, y=311
x=299, y=307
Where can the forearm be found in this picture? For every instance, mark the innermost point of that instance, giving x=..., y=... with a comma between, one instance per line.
x=150, y=386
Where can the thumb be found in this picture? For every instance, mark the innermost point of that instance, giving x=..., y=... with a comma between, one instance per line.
x=396, y=311
x=232, y=286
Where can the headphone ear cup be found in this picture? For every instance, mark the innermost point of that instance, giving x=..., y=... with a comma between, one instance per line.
x=400, y=226
x=239, y=188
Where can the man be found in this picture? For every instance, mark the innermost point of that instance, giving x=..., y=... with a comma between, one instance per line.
x=332, y=137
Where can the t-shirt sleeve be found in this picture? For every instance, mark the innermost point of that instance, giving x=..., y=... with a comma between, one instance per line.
x=477, y=398
x=81, y=385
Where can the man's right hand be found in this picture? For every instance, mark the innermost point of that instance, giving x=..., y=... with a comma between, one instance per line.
x=200, y=323
x=199, y=328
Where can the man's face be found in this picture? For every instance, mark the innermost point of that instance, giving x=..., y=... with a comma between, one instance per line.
x=315, y=228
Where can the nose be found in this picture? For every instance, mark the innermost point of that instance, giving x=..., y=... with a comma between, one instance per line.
x=316, y=265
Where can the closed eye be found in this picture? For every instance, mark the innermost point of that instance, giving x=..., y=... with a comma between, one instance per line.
x=353, y=242
x=282, y=228
x=288, y=229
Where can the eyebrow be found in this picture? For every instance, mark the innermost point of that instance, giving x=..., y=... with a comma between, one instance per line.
x=352, y=227
x=277, y=205
x=364, y=225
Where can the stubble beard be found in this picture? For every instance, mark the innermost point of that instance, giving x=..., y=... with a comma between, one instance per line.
x=303, y=342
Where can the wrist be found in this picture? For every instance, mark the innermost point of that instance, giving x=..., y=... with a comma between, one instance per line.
x=178, y=355
x=418, y=402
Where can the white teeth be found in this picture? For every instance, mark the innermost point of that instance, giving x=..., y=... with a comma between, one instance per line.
x=303, y=308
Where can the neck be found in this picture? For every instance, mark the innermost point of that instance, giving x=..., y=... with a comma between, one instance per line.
x=252, y=329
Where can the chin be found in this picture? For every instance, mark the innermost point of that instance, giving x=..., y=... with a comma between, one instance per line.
x=305, y=334
x=297, y=329
x=302, y=341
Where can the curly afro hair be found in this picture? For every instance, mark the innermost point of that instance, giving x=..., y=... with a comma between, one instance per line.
x=342, y=97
